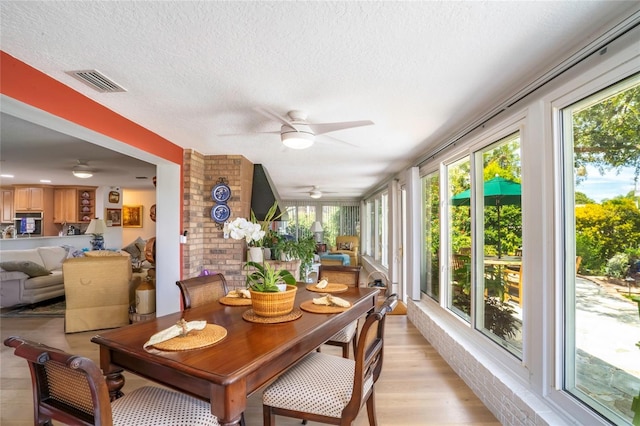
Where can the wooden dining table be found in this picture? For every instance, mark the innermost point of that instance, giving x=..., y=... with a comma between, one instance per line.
x=225, y=373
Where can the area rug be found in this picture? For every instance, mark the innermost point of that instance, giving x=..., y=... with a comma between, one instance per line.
x=53, y=308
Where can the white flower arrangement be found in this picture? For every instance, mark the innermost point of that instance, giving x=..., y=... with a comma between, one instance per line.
x=242, y=229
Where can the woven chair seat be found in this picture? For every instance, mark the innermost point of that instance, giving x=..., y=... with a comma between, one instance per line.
x=154, y=406
x=319, y=384
x=346, y=334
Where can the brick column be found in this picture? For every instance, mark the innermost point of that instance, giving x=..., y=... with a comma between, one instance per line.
x=206, y=247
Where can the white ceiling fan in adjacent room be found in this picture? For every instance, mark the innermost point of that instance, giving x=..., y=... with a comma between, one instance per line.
x=297, y=133
x=315, y=193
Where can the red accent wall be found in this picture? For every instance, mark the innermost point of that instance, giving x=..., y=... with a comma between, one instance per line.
x=30, y=86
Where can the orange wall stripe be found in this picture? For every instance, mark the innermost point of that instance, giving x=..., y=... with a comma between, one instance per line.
x=26, y=84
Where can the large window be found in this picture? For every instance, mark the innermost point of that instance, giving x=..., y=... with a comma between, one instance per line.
x=339, y=218
x=376, y=244
x=459, y=239
x=484, y=279
x=300, y=218
x=601, y=136
x=500, y=285
x=430, y=281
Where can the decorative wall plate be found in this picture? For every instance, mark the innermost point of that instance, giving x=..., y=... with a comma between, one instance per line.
x=221, y=193
x=220, y=213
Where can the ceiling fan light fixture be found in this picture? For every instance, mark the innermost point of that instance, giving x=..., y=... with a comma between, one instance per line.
x=315, y=194
x=82, y=171
x=297, y=140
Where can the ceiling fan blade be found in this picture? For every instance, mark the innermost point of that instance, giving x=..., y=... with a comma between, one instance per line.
x=274, y=115
x=321, y=128
x=275, y=132
x=331, y=138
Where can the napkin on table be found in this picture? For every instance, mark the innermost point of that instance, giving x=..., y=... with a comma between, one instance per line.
x=330, y=300
x=323, y=283
x=181, y=328
x=241, y=293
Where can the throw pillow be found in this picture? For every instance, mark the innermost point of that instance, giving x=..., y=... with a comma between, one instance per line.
x=25, y=266
x=73, y=252
x=136, y=248
x=344, y=246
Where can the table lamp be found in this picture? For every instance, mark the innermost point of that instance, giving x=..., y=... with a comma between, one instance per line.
x=316, y=228
x=97, y=227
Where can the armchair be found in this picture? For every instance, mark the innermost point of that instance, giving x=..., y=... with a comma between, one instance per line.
x=348, y=244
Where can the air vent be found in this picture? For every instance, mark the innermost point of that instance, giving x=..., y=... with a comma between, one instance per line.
x=97, y=81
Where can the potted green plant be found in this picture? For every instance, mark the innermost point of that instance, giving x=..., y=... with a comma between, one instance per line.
x=302, y=249
x=267, y=299
x=265, y=277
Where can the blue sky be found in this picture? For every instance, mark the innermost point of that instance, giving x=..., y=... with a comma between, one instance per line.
x=607, y=186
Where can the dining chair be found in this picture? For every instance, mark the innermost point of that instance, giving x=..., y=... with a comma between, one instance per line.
x=329, y=389
x=512, y=277
x=350, y=276
x=201, y=290
x=71, y=389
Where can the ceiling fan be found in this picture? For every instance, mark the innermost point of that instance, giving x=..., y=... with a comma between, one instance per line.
x=315, y=193
x=297, y=133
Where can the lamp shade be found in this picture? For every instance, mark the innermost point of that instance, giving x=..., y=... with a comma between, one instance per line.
x=97, y=227
x=316, y=227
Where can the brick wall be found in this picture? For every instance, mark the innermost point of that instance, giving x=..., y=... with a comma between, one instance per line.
x=206, y=247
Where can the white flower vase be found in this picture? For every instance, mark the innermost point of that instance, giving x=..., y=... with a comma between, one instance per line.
x=256, y=254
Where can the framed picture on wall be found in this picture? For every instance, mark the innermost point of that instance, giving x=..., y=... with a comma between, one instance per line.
x=113, y=217
x=132, y=216
x=114, y=197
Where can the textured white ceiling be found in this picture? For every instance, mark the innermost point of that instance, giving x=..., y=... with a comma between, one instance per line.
x=194, y=71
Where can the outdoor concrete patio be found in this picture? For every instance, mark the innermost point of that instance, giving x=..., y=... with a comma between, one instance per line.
x=607, y=359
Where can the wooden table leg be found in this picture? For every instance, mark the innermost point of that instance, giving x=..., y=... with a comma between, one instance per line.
x=229, y=402
x=115, y=382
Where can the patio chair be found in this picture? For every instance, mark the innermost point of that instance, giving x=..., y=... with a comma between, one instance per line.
x=513, y=283
x=329, y=389
x=71, y=389
x=201, y=290
x=348, y=275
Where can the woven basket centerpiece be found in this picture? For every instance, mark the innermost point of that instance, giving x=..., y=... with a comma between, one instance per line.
x=274, y=304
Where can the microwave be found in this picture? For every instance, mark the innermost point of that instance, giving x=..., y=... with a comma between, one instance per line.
x=29, y=224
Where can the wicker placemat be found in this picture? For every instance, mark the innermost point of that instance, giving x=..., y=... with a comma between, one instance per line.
x=309, y=306
x=330, y=288
x=235, y=301
x=195, y=339
x=251, y=316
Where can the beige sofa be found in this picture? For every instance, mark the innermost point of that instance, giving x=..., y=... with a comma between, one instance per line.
x=347, y=244
x=97, y=291
x=45, y=281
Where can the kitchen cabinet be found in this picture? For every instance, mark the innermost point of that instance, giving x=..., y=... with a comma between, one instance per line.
x=7, y=213
x=27, y=199
x=74, y=205
x=65, y=205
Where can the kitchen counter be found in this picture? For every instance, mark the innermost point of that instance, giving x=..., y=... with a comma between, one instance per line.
x=20, y=243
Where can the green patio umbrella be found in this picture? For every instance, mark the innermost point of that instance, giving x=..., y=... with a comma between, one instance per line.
x=497, y=192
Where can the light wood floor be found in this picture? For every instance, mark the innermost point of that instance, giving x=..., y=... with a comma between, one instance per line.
x=416, y=386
